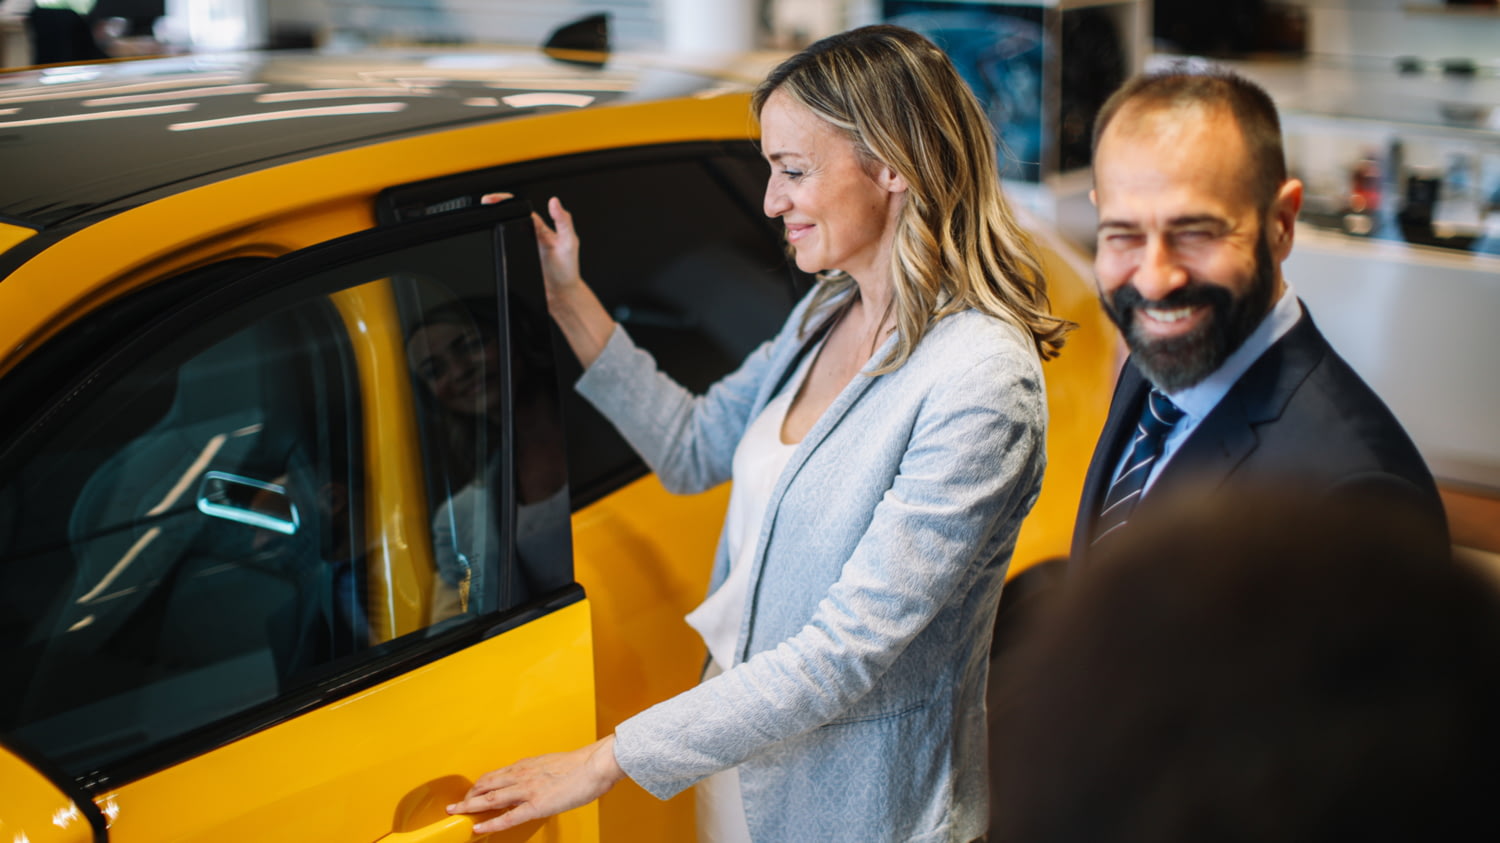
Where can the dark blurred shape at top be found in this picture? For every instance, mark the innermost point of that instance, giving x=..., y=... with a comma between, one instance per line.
x=1252, y=668
x=1229, y=28
x=61, y=36
x=140, y=15
x=584, y=41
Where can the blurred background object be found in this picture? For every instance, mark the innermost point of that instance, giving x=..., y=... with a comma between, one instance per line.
x=1212, y=679
x=61, y=35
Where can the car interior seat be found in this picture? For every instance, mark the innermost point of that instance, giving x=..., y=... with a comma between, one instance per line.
x=189, y=539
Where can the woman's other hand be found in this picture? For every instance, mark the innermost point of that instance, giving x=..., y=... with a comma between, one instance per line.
x=539, y=787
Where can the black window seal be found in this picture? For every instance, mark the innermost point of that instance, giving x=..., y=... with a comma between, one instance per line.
x=453, y=193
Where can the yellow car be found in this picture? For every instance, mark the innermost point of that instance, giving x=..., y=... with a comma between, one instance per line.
x=301, y=528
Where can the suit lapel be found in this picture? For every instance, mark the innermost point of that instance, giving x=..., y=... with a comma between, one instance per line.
x=1222, y=441
x=1227, y=437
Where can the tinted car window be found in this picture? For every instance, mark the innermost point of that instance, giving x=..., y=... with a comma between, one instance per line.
x=187, y=535
x=484, y=374
x=181, y=543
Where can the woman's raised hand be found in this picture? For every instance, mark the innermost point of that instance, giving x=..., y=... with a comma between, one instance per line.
x=583, y=320
x=558, y=245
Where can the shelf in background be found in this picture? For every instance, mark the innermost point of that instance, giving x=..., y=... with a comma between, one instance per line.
x=1464, y=10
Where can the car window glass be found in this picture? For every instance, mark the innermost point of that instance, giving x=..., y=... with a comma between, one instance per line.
x=183, y=542
x=480, y=371
x=197, y=532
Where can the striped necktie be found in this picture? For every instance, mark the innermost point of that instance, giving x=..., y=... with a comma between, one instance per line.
x=1157, y=417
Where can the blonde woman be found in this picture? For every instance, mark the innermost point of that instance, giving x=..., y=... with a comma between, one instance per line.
x=884, y=448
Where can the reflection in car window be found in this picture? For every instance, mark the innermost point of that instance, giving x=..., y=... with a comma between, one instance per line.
x=469, y=384
x=454, y=349
x=188, y=539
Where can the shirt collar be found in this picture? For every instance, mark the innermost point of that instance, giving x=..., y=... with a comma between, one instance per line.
x=1198, y=400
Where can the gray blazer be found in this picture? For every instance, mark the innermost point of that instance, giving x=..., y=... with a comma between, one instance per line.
x=855, y=708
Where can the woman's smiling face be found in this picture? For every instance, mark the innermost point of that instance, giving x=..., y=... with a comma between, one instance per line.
x=839, y=210
x=459, y=367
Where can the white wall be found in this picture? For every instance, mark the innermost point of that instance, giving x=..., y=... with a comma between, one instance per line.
x=634, y=23
x=212, y=25
x=1418, y=325
x=1389, y=28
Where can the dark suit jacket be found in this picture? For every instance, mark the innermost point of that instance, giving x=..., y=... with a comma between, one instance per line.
x=1299, y=419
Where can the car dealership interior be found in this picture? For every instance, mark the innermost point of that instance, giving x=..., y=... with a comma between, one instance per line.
x=225, y=305
x=1391, y=112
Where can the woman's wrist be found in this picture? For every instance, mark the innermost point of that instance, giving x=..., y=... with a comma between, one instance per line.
x=605, y=763
x=582, y=318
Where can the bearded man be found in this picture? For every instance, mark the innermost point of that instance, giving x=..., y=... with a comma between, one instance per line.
x=1229, y=383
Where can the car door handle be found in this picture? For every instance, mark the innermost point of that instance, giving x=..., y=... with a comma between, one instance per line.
x=245, y=500
x=454, y=829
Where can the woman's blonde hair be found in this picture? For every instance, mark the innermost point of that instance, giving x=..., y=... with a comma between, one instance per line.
x=901, y=102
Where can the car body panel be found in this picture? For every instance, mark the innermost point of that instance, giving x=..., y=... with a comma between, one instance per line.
x=335, y=773
x=11, y=235
x=1080, y=382
x=37, y=809
x=644, y=650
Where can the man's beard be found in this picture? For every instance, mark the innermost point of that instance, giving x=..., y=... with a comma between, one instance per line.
x=1179, y=362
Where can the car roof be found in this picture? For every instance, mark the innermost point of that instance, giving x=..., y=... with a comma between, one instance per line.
x=83, y=141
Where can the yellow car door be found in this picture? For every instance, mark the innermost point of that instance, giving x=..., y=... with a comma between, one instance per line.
x=269, y=573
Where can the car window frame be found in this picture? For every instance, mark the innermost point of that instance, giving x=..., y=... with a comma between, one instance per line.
x=253, y=290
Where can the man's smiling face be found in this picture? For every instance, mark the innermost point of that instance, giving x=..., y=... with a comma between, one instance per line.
x=1184, y=264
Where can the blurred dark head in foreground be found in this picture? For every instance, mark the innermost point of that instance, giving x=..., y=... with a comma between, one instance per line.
x=1265, y=668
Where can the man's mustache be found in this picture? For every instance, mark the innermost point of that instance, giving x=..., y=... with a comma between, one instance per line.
x=1127, y=298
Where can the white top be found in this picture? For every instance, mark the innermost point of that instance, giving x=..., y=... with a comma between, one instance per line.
x=759, y=459
x=758, y=462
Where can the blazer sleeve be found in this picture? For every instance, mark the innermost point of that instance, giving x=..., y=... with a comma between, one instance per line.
x=688, y=440
x=972, y=464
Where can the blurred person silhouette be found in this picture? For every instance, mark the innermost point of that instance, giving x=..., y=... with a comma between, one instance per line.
x=454, y=352
x=1229, y=380
x=884, y=448
x=60, y=35
x=1258, y=666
